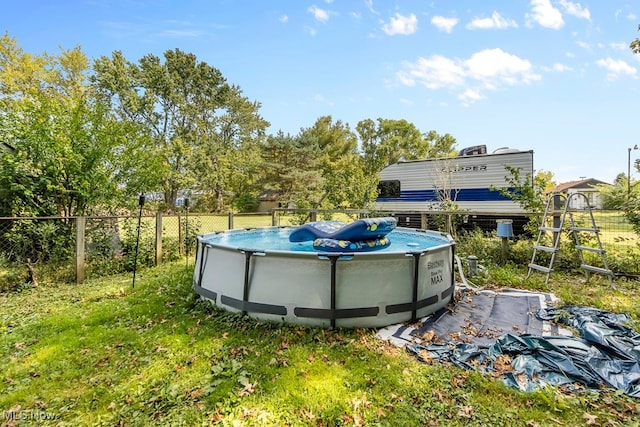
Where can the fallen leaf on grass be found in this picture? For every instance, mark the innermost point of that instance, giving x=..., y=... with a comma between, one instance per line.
x=466, y=412
x=195, y=394
x=249, y=388
x=591, y=419
x=307, y=414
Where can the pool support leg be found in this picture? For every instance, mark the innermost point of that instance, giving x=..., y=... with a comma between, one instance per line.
x=416, y=272
x=334, y=260
x=247, y=263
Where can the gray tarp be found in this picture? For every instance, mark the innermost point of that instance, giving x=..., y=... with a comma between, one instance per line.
x=604, y=353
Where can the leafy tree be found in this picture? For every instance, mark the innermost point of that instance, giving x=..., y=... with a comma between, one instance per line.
x=66, y=141
x=614, y=196
x=228, y=160
x=529, y=192
x=531, y=198
x=389, y=141
x=339, y=163
x=290, y=170
x=65, y=151
x=189, y=112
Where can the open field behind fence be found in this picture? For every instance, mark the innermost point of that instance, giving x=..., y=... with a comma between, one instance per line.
x=77, y=248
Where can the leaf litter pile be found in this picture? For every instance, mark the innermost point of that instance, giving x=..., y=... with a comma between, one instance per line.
x=528, y=342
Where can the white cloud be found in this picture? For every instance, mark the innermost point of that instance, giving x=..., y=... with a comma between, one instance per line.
x=545, y=15
x=320, y=14
x=179, y=34
x=575, y=9
x=561, y=68
x=619, y=46
x=399, y=24
x=319, y=98
x=470, y=96
x=583, y=45
x=495, y=66
x=444, y=24
x=496, y=21
x=369, y=4
x=558, y=68
x=489, y=69
x=616, y=69
x=284, y=19
x=435, y=72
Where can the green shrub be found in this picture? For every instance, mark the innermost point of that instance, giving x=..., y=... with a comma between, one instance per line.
x=11, y=279
x=39, y=241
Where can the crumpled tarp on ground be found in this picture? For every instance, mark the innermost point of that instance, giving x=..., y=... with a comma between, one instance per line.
x=516, y=335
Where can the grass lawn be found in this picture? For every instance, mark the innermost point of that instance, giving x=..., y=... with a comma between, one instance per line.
x=103, y=353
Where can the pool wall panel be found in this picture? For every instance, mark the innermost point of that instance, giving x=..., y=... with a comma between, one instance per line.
x=370, y=290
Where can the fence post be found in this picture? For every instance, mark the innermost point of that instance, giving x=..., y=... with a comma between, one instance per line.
x=313, y=216
x=424, y=221
x=179, y=235
x=81, y=222
x=158, y=238
x=274, y=218
x=230, y=225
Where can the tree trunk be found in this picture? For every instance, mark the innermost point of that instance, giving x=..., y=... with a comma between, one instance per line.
x=31, y=274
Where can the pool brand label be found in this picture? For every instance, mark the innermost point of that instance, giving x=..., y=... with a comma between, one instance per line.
x=436, y=268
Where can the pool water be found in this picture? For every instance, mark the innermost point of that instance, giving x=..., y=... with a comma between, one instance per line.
x=278, y=240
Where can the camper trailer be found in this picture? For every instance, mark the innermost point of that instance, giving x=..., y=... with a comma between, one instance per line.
x=408, y=189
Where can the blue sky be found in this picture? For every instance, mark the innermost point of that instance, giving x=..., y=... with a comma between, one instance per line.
x=553, y=76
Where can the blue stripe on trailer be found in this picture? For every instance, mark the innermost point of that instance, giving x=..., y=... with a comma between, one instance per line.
x=463, y=195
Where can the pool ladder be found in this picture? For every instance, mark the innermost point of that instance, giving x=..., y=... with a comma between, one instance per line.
x=558, y=206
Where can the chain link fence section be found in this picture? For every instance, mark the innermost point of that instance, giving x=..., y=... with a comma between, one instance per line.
x=46, y=247
x=33, y=248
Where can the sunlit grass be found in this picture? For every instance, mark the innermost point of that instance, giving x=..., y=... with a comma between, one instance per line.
x=103, y=353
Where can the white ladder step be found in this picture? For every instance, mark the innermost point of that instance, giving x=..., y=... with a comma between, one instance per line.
x=592, y=230
x=600, y=270
x=554, y=229
x=590, y=249
x=540, y=268
x=545, y=248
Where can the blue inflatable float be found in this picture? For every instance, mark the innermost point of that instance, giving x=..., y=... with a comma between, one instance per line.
x=334, y=236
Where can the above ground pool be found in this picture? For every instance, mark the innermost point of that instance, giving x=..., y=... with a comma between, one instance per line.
x=262, y=273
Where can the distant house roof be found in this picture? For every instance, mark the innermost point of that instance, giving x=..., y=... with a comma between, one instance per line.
x=270, y=195
x=584, y=184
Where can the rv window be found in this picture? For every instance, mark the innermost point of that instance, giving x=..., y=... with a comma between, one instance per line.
x=389, y=188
